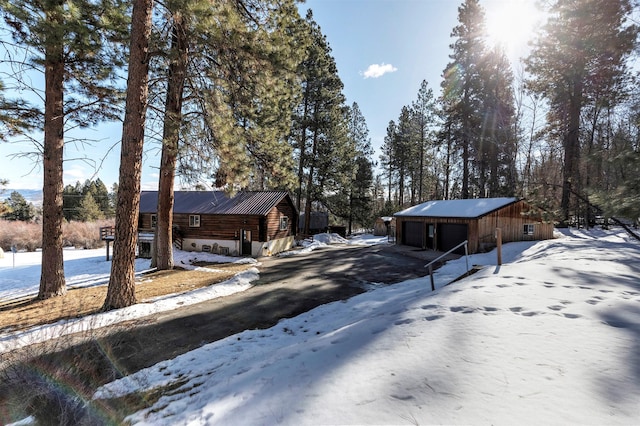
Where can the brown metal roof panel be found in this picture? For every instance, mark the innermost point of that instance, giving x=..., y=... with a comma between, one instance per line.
x=255, y=203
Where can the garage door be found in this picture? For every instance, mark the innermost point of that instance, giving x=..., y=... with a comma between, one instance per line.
x=412, y=233
x=450, y=235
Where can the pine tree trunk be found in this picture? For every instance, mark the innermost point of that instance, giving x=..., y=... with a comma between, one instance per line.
x=302, y=146
x=121, y=291
x=52, y=281
x=171, y=136
x=421, y=172
x=310, y=189
x=571, y=149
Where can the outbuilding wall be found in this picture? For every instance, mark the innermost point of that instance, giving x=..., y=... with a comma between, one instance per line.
x=481, y=231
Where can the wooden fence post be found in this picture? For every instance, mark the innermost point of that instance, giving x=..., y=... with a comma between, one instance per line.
x=499, y=245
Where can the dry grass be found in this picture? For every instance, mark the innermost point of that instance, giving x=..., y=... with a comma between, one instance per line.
x=22, y=314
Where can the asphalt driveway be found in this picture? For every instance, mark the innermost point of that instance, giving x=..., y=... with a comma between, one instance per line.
x=288, y=286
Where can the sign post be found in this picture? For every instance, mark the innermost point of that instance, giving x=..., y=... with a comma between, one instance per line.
x=14, y=250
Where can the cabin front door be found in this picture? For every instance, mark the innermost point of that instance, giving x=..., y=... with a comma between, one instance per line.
x=246, y=243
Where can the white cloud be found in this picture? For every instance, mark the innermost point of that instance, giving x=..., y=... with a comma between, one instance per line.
x=74, y=174
x=378, y=70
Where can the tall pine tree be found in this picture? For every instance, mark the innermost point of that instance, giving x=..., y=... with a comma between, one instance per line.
x=77, y=47
x=121, y=290
x=462, y=85
x=583, y=46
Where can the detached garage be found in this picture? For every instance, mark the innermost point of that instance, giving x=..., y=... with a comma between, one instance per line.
x=443, y=224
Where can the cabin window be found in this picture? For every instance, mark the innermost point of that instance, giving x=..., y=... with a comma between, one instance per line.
x=194, y=220
x=284, y=223
x=154, y=220
x=528, y=229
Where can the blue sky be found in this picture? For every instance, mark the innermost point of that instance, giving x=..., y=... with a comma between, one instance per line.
x=383, y=50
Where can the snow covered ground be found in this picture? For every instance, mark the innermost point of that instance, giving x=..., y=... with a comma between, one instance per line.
x=550, y=337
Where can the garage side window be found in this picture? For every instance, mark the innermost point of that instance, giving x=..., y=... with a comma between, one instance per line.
x=528, y=229
x=194, y=220
x=284, y=223
x=154, y=220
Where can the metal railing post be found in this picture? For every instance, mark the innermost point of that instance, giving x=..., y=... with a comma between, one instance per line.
x=430, y=264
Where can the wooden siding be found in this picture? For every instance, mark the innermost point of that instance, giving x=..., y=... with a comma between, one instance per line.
x=282, y=209
x=481, y=231
x=228, y=227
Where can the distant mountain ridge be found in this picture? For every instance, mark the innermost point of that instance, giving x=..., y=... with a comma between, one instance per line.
x=33, y=196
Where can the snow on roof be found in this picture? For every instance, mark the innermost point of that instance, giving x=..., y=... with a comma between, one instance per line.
x=471, y=208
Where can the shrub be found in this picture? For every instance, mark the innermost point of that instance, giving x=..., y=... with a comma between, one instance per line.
x=84, y=234
x=23, y=235
x=28, y=235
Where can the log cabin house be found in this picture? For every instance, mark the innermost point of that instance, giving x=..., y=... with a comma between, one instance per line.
x=443, y=224
x=251, y=223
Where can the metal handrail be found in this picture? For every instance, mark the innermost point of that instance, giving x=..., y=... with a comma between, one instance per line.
x=430, y=264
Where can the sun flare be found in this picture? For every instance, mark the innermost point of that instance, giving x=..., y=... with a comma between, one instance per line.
x=512, y=23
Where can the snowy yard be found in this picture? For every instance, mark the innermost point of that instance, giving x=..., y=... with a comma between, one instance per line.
x=550, y=337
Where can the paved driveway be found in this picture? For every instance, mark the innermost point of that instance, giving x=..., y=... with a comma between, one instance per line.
x=287, y=287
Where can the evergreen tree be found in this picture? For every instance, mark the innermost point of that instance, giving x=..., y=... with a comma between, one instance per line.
x=121, y=290
x=462, y=85
x=582, y=47
x=3, y=204
x=495, y=154
x=404, y=154
x=362, y=181
x=100, y=194
x=76, y=47
x=239, y=72
x=71, y=198
x=89, y=210
x=321, y=139
x=354, y=198
x=387, y=161
x=424, y=116
x=18, y=208
x=16, y=116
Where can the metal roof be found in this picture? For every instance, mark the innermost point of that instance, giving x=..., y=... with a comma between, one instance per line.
x=466, y=209
x=251, y=203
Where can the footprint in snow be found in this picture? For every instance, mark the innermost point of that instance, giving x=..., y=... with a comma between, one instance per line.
x=433, y=317
x=463, y=309
x=556, y=307
x=429, y=306
x=572, y=316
